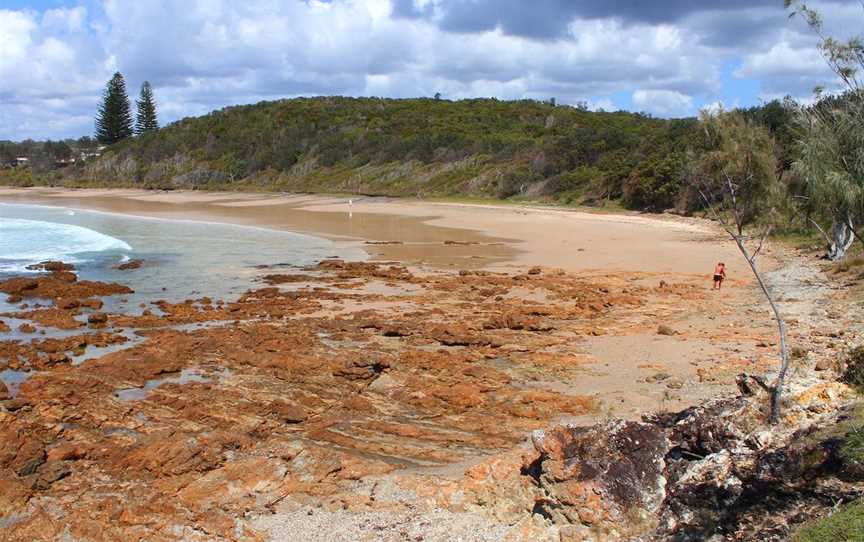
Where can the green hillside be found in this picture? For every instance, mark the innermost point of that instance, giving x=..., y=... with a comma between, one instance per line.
x=415, y=147
x=412, y=147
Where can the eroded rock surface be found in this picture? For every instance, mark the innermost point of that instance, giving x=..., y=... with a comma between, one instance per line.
x=602, y=477
x=358, y=387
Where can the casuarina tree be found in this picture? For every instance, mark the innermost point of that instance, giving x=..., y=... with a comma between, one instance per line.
x=146, y=120
x=114, y=119
x=831, y=158
x=737, y=181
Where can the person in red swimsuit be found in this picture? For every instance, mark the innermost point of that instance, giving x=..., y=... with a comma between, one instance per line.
x=719, y=275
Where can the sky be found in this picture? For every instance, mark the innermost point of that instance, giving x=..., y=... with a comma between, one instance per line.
x=668, y=58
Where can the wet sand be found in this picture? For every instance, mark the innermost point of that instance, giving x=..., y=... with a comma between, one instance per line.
x=475, y=235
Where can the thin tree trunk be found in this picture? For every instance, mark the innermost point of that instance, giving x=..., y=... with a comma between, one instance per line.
x=841, y=239
x=851, y=227
x=777, y=389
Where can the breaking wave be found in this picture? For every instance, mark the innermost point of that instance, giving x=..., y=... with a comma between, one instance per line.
x=24, y=242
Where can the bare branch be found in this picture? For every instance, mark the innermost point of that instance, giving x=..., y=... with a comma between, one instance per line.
x=761, y=242
x=822, y=231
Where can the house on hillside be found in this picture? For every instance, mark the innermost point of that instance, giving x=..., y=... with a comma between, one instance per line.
x=63, y=162
x=85, y=156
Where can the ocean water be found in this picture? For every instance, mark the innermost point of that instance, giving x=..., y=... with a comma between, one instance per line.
x=183, y=259
x=24, y=242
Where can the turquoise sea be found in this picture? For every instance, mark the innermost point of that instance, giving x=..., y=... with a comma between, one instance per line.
x=183, y=259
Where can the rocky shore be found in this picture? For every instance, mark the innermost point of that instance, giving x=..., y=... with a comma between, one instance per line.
x=372, y=401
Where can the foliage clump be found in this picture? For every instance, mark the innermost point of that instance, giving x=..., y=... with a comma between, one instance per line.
x=845, y=525
x=114, y=119
x=145, y=120
x=854, y=373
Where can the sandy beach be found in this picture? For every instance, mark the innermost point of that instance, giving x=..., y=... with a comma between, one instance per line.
x=498, y=235
x=397, y=394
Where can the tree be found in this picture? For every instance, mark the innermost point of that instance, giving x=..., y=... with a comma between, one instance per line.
x=832, y=165
x=736, y=179
x=146, y=120
x=832, y=148
x=114, y=119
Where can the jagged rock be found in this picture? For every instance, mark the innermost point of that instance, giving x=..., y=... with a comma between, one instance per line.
x=4, y=391
x=714, y=427
x=700, y=495
x=600, y=475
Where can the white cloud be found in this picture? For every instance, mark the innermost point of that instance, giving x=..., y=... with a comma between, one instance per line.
x=205, y=54
x=782, y=59
x=664, y=103
x=51, y=71
x=603, y=104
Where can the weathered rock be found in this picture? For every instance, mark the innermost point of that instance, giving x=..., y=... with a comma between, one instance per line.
x=824, y=365
x=97, y=318
x=288, y=413
x=130, y=265
x=4, y=391
x=65, y=276
x=663, y=329
x=658, y=377
x=13, y=497
x=62, y=284
x=91, y=303
x=51, y=266
x=600, y=475
x=66, y=304
x=716, y=426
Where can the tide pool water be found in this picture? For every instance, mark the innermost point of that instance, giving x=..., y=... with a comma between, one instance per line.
x=183, y=259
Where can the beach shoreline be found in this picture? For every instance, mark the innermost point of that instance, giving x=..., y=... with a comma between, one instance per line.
x=434, y=233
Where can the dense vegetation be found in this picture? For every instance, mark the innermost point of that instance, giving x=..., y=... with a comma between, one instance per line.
x=424, y=147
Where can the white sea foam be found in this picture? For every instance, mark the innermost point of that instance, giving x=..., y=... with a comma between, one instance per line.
x=23, y=242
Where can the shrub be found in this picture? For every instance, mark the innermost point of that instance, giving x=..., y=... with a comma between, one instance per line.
x=847, y=524
x=854, y=373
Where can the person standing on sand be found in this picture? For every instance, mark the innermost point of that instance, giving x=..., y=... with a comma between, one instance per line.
x=719, y=275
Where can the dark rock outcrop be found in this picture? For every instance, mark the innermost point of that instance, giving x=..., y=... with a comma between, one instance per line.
x=601, y=476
